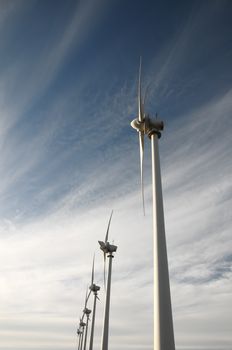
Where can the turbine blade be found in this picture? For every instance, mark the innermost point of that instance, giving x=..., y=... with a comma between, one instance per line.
x=145, y=94
x=141, y=150
x=92, y=278
x=108, y=228
x=87, y=296
x=105, y=271
x=140, y=103
x=97, y=298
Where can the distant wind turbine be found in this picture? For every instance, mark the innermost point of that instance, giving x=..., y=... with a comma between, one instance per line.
x=94, y=289
x=86, y=312
x=79, y=333
x=163, y=323
x=107, y=248
x=82, y=330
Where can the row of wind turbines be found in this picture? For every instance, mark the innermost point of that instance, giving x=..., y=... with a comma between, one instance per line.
x=163, y=321
x=82, y=331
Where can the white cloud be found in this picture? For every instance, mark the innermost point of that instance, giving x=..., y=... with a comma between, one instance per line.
x=45, y=261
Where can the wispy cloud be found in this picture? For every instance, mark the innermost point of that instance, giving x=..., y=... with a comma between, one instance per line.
x=64, y=170
x=198, y=250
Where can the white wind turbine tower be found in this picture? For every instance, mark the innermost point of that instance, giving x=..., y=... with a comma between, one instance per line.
x=109, y=249
x=163, y=323
x=94, y=289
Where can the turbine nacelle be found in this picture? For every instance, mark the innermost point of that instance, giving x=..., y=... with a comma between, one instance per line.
x=82, y=324
x=94, y=288
x=147, y=125
x=107, y=247
x=87, y=311
x=156, y=124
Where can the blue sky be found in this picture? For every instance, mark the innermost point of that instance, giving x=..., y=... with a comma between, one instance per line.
x=68, y=89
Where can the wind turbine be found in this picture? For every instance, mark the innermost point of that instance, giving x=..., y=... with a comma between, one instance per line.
x=86, y=312
x=94, y=289
x=163, y=323
x=82, y=330
x=79, y=333
x=109, y=249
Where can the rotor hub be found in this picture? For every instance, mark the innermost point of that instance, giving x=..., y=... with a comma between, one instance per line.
x=138, y=125
x=148, y=126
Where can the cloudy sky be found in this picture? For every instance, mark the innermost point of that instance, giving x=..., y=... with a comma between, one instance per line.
x=68, y=81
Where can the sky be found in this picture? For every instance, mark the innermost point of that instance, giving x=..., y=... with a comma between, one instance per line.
x=68, y=92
